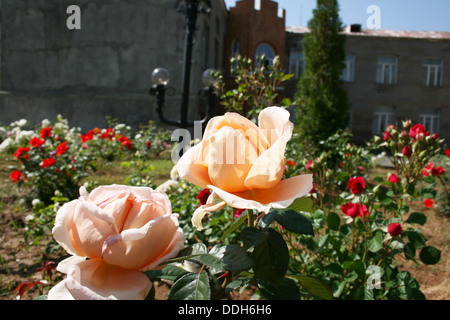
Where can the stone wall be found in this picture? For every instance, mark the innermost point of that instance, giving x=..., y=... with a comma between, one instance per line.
x=105, y=67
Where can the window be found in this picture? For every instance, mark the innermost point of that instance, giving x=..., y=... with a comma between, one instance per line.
x=430, y=121
x=267, y=51
x=381, y=120
x=235, y=48
x=433, y=72
x=348, y=74
x=296, y=64
x=387, y=70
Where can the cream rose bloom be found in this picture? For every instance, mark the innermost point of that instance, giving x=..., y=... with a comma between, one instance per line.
x=244, y=163
x=113, y=234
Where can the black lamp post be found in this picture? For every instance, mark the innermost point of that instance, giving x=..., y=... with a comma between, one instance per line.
x=160, y=76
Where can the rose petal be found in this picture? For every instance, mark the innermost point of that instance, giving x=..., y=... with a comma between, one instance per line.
x=275, y=122
x=60, y=292
x=139, y=248
x=60, y=232
x=191, y=168
x=97, y=280
x=68, y=263
x=279, y=197
x=201, y=211
x=267, y=171
x=88, y=227
x=230, y=159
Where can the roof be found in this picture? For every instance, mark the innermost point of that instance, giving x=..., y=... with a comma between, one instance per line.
x=436, y=35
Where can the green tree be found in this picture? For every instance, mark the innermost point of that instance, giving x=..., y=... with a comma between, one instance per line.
x=320, y=92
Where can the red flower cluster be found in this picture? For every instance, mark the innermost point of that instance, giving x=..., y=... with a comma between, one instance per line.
x=48, y=162
x=61, y=148
x=291, y=163
x=431, y=169
x=36, y=142
x=357, y=185
x=46, y=132
x=109, y=134
x=15, y=175
x=354, y=210
x=20, y=151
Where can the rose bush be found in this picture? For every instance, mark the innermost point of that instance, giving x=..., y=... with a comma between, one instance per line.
x=113, y=234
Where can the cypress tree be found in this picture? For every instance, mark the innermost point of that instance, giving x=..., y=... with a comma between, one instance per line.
x=320, y=91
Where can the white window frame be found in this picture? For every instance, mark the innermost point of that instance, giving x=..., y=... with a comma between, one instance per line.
x=437, y=69
x=268, y=51
x=348, y=73
x=387, y=70
x=381, y=119
x=296, y=64
x=431, y=121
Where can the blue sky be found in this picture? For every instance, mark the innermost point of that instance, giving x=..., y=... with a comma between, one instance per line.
x=417, y=15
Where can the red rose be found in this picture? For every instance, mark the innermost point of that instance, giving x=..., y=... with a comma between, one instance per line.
x=48, y=162
x=387, y=136
x=15, y=175
x=203, y=196
x=447, y=152
x=357, y=185
x=309, y=165
x=354, y=210
x=418, y=131
x=36, y=142
x=239, y=212
x=393, y=178
x=407, y=152
x=46, y=132
x=20, y=151
x=428, y=203
x=395, y=229
x=61, y=148
x=88, y=136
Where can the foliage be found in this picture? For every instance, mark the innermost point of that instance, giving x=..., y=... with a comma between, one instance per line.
x=255, y=87
x=323, y=101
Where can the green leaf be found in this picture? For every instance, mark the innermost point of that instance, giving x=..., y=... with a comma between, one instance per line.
x=295, y=222
x=230, y=258
x=417, y=217
x=287, y=289
x=267, y=219
x=314, y=286
x=270, y=253
x=333, y=221
x=430, y=255
x=235, y=225
x=304, y=204
x=375, y=243
x=42, y=297
x=191, y=286
x=416, y=239
x=170, y=272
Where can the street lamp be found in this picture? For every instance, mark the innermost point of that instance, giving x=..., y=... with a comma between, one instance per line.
x=160, y=76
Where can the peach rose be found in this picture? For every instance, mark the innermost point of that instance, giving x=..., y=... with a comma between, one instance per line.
x=113, y=234
x=243, y=163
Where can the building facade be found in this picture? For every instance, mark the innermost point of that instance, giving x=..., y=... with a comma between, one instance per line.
x=389, y=76
x=105, y=67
